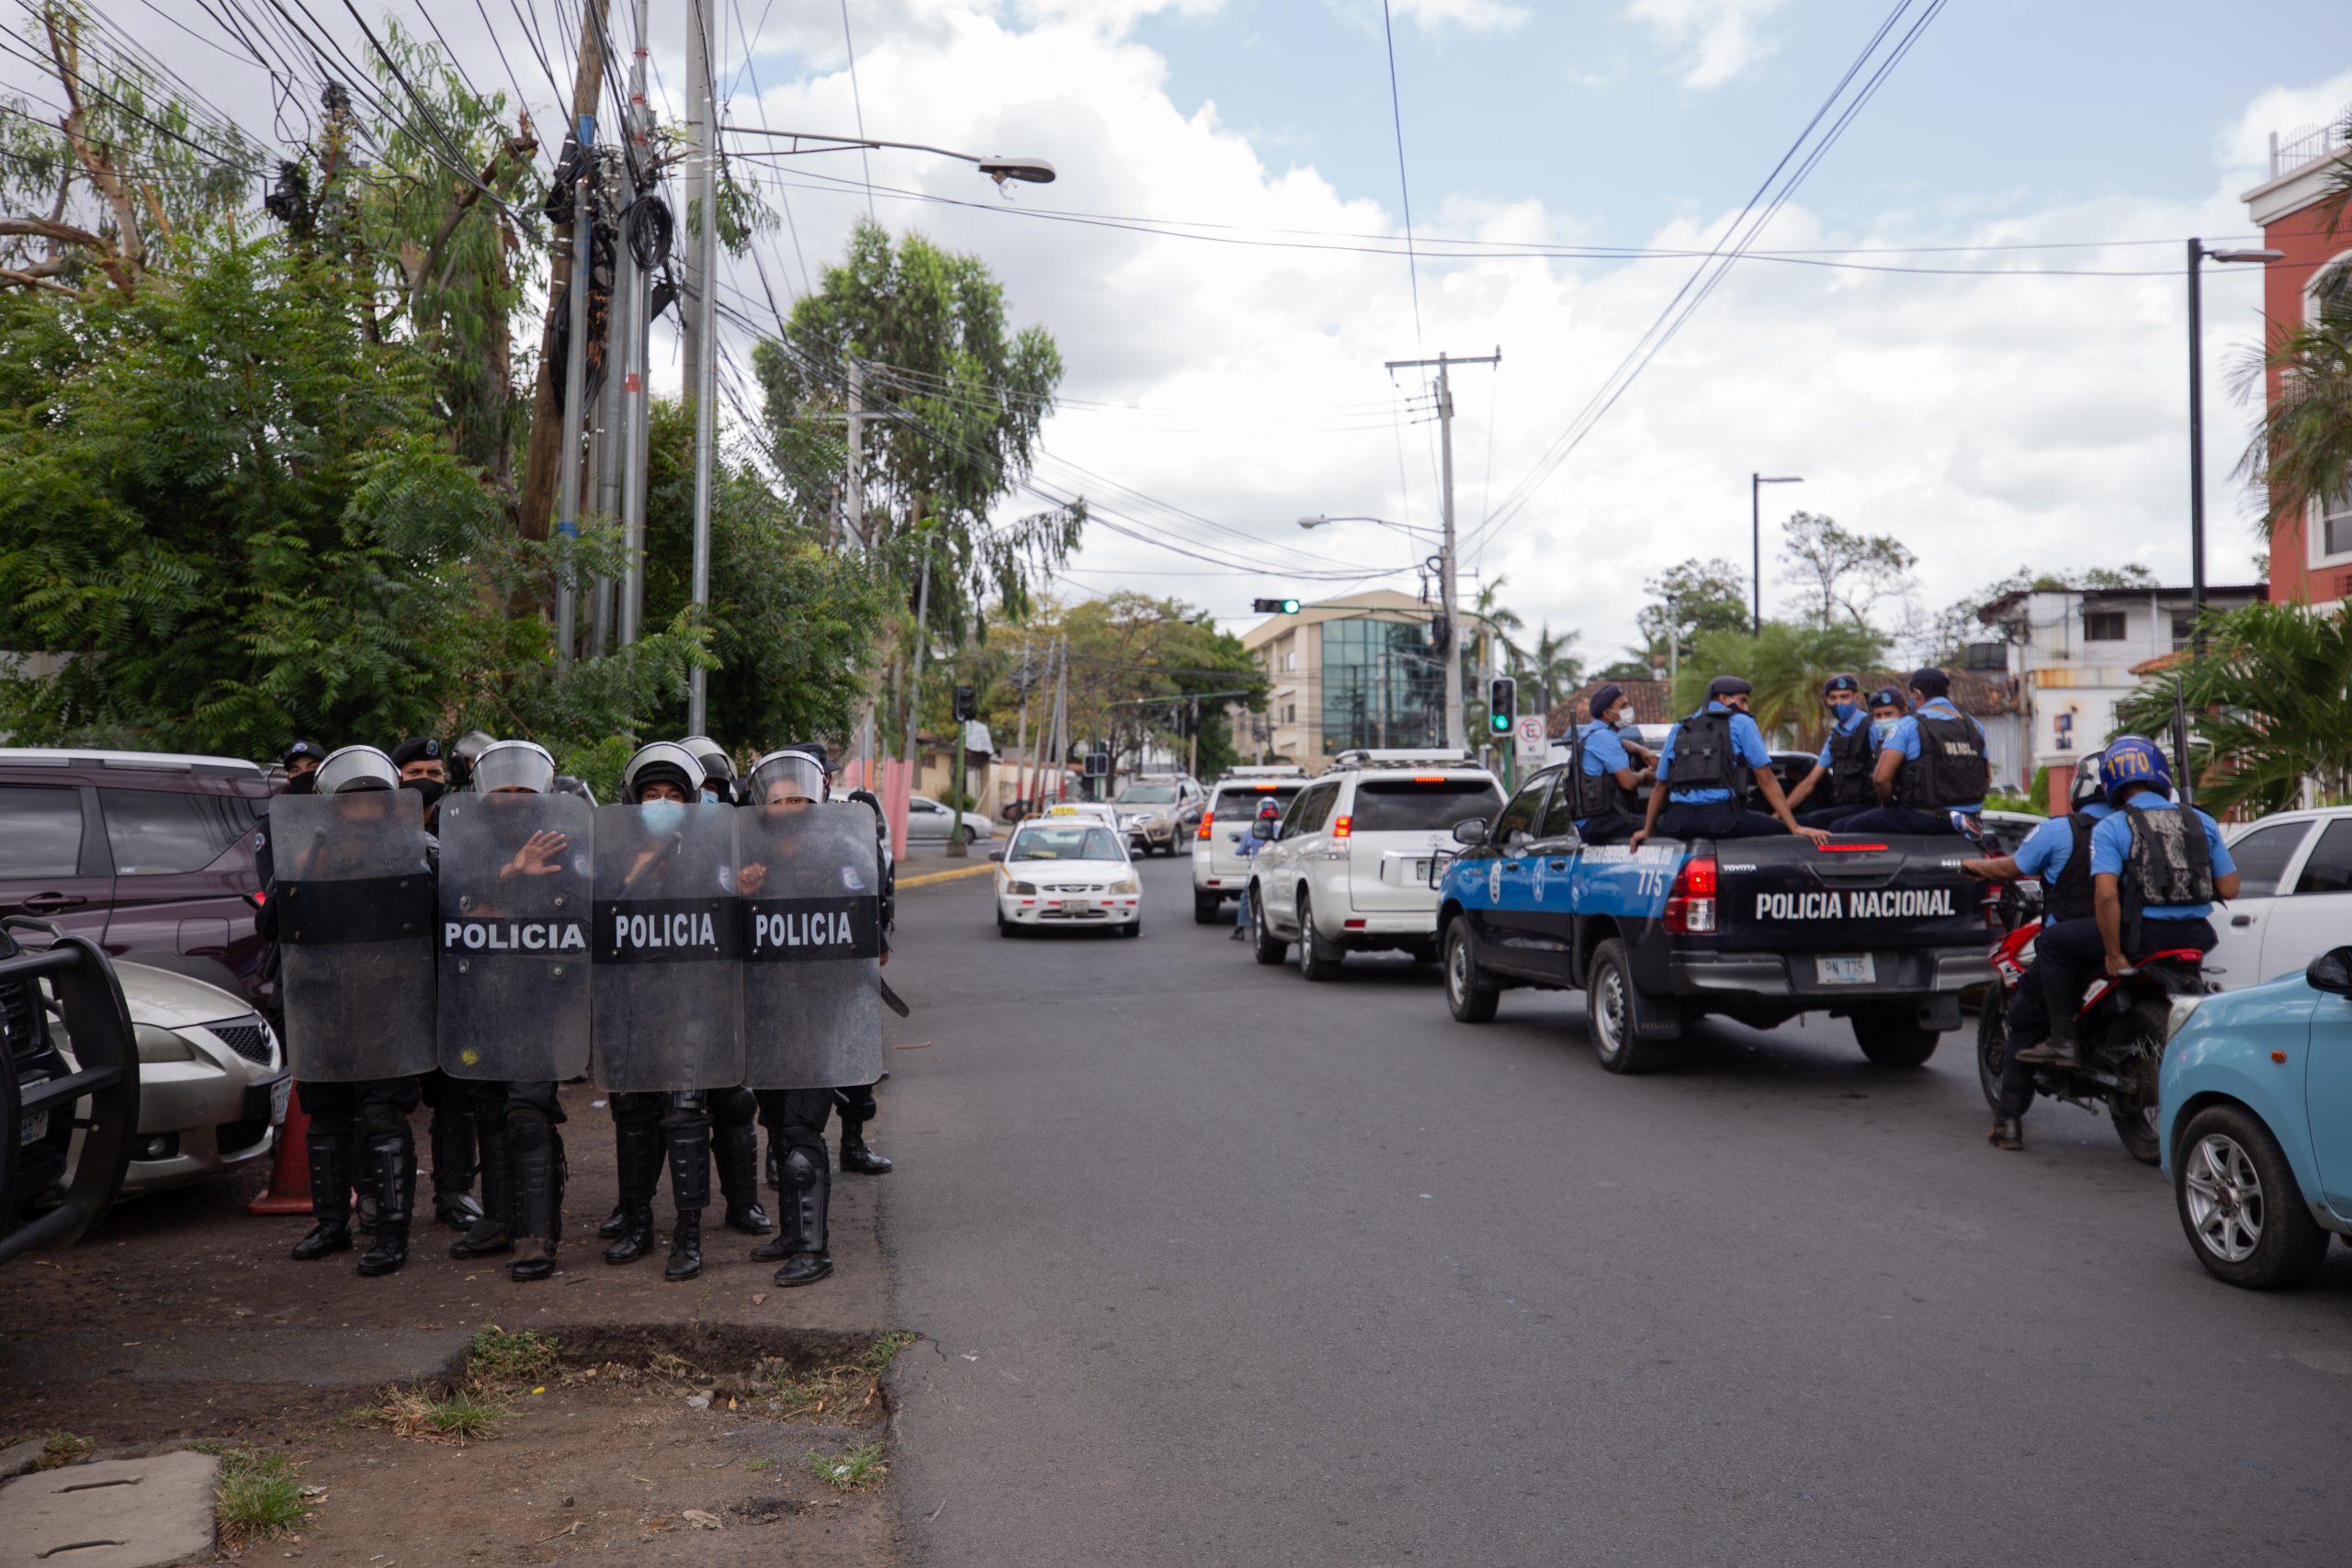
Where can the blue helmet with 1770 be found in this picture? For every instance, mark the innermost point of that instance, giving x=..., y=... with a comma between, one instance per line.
x=2128, y=760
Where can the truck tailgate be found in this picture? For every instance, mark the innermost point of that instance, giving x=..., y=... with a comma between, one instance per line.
x=1852, y=896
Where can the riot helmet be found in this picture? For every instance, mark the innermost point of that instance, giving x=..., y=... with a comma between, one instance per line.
x=717, y=767
x=462, y=752
x=790, y=774
x=2129, y=761
x=2086, y=786
x=663, y=761
x=355, y=768
x=514, y=765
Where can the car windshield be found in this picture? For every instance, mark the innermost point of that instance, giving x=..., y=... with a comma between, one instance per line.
x=1393, y=805
x=1065, y=841
x=1147, y=795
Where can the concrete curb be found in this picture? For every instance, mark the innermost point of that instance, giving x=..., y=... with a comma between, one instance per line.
x=931, y=877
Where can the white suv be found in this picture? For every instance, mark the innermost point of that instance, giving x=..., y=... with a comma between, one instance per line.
x=1222, y=848
x=1348, y=869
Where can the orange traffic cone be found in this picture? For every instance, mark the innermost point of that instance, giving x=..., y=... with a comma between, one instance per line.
x=289, y=1175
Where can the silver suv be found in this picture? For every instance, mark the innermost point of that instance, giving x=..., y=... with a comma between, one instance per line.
x=1348, y=870
x=1157, y=809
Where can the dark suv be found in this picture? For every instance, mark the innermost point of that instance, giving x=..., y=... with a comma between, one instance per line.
x=146, y=852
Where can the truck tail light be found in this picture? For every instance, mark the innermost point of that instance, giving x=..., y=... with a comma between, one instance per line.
x=1690, y=905
x=1206, y=818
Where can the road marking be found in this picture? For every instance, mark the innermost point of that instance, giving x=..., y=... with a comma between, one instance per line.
x=931, y=877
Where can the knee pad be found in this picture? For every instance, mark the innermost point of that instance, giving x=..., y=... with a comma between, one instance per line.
x=528, y=1129
x=733, y=1107
x=800, y=1172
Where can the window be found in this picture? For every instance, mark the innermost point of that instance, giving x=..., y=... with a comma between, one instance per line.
x=2184, y=630
x=1061, y=842
x=2263, y=855
x=2329, y=870
x=1560, y=818
x=1404, y=806
x=1310, y=810
x=153, y=833
x=1248, y=800
x=1290, y=661
x=1290, y=713
x=2335, y=527
x=40, y=831
x=2103, y=626
x=1518, y=816
x=1147, y=795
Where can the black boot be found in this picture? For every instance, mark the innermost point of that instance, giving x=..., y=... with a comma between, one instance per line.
x=856, y=1158
x=801, y=1240
x=639, y=1145
x=689, y=1150
x=494, y=1231
x=736, y=1152
x=330, y=1197
x=537, y=1154
x=395, y=1162
x=454, y=1169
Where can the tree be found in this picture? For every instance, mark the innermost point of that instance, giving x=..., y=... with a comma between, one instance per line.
x=1842, y=572
x=2270, y=706
x=2302, y=447
x=1786, y=666
x=1546, y=671
x=1688, y=601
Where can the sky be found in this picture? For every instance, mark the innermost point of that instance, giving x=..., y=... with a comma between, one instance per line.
x=1227, y=379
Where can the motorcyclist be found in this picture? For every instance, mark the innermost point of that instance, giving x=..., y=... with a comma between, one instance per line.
x=2057, y=854
x=2156, y=867
x=1268, y=810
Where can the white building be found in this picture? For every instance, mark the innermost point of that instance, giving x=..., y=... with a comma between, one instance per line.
x=2073, y=656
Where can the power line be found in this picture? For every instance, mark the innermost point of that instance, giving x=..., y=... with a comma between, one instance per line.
x=1404, y=186
x=858, y=102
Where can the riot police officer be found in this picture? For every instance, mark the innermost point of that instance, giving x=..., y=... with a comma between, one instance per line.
x=718, y=770
x=301, y=760
x=1601, y=771
x=330, y=896
x=424, y=771
x=2156, y=867
x=734, y=1137
x=2058, y=854
x=1699, y=767
x=1848, y=755
x=1933, y=765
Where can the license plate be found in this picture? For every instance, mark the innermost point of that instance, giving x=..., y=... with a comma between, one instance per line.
x=32, y=1130
x=277, y=1094
x=1420, y=871
x=1856, y=970
x=1069, y=904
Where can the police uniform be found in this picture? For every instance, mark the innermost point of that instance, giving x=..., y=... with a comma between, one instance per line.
x=451, y=1102
x=1944, y=766
x=1703, y=769
x=1848, y=756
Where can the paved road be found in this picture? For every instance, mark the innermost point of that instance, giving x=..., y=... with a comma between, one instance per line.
x=1223, y=1268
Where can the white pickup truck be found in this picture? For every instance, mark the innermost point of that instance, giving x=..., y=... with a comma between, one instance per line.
x=2294, y=898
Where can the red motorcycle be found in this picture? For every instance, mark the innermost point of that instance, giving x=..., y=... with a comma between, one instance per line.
x=2120, y=1031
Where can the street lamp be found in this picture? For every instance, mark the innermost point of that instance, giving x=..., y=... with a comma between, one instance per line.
x=1456, y=736
x=2197, y=255
x=1756, y=483
x=997, y=166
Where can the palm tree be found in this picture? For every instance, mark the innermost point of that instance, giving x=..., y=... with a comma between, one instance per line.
x=1786, y=666
x=1547, y=670
x=2271, y=700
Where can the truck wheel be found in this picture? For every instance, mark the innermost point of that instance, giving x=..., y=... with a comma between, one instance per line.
x=1317, y=959
x=1468, y=997
x=1264, y=945
x=2240, y=1203
x=1609, y=1012
x=1993, y=1047
x=1205, y=909
x=1893, y=1036
x=2133, y=1109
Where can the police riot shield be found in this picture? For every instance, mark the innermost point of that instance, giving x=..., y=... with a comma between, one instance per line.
x=354, y=891
x=665, y=935
x=516, y=886
x=812, y=946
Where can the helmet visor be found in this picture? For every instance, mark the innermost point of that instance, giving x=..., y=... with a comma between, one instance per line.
x=356, y=768
x=786, y=775
x=513, y=764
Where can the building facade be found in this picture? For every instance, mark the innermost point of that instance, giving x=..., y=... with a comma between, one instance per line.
x=2310, y=553
x=1356, y=670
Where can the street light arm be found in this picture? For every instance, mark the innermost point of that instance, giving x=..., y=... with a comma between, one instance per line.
x=1037, y=171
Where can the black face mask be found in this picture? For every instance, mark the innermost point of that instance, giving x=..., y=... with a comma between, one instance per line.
x=303, y=783
x=431, y=789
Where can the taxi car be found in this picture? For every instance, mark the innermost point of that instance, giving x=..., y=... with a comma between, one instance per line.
x=1064, y=871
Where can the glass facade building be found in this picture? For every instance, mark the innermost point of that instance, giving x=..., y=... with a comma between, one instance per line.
x=1381, y=686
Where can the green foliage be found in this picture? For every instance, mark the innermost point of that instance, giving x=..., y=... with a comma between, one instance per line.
x=1843, y=574
x=1786, y=665
x=61, y=1449
x=885, y=1350
x=1689, y=602
x=2270, y=704
x=1547, y=671
x=852, y=1470
x=2301, y=447
x=1942, y=637
x=499, y=1355
x=259, y=1496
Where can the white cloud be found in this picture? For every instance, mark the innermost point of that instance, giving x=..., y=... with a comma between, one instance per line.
x=1715, y=40
x=1470, y=16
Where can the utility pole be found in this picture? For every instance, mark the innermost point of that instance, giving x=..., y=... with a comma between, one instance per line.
x=690, y=299
x=1061, y=723
x=1192, y=751
x=575, y=393
x=701, y=362
x=853, y=477
x=1448, y=650
x=614, y=185
x=914, y=664
x=636, y=292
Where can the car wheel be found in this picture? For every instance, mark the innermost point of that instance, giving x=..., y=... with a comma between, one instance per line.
x=1893, y=1036
x=969, y=834
x=1609, y=1012
x=1992, y=1046
x=1468, y=997
x=1318, y=960
x=1133, y=928
x=1005, y=927
x=1205, y=909
x=1264, y=945
x=2240, y=1203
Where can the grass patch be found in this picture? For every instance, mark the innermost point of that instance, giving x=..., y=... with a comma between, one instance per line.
x=258, y=1497
x=61, y=1450
x=758, y=1465
x=883, y=1352
x=497, y=1356
x=856, y=1470
x=462, y=1415
x=841, y=1388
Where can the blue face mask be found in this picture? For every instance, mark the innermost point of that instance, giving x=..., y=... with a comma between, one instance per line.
x=1881, y=728
x=710, y=796
x=663, y=816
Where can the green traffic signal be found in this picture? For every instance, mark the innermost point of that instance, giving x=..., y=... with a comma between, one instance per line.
x=1499, y=723
x=1290, y=607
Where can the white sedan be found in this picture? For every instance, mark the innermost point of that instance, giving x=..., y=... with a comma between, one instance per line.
x=1066, y=872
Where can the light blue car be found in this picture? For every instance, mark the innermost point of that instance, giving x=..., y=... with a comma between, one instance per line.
x=2256, y=1123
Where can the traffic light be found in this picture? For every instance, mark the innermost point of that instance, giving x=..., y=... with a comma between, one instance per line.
x=1502, y=704
x=967, y=706
x=1097, y=765
x=1274, y=606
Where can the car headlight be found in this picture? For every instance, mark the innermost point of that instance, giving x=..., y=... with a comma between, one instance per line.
x=2183, y=1008
x=157, y=1044
x=1021, y=889
x=1124, y=884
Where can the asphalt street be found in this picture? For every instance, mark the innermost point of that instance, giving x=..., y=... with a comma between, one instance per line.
x=1221, y=1266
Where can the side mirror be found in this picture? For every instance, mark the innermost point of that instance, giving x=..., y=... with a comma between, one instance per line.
x=1264, y=828
x=2331, y=971
x=1471, y=831
x=996, y=855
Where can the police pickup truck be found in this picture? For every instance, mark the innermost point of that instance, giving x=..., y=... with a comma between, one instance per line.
x=1883, y=932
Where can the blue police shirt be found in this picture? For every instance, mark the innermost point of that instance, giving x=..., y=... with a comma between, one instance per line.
x=1604, y=753
x=1906, y=739
x=1747, y=743
x=2111, y=843
x=2048, y=848
x=1856, y=718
